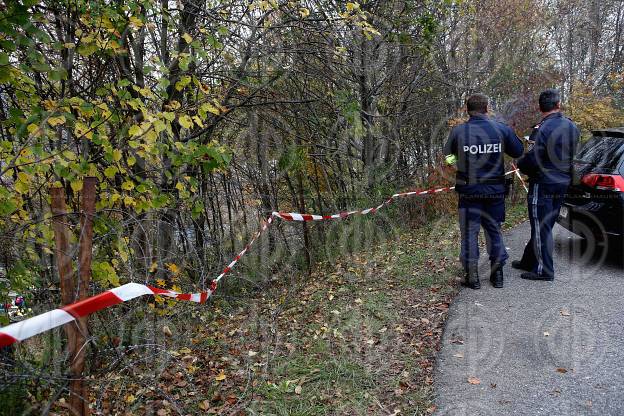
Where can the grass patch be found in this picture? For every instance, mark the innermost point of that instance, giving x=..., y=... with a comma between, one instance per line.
x=315, y=385
x=362, y=335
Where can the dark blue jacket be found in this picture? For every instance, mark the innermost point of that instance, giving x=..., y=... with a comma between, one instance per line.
x=480, y=145
x=549, y=161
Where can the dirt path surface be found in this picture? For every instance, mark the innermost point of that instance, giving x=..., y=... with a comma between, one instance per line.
x=538, y=348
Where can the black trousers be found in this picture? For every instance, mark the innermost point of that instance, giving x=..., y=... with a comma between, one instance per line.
x=544, y=202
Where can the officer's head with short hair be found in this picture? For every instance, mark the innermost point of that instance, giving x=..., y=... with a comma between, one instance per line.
x=550, y=100
x=477, y=104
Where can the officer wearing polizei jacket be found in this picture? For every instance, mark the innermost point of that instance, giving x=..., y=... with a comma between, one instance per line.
x=479, y=146
x=549, y=167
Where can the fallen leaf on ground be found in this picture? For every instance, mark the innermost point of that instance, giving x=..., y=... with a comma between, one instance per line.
x=221, y=376
x=474, y=380
x=561, y=370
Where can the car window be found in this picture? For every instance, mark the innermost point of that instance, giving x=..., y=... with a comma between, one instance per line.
x=604, y=153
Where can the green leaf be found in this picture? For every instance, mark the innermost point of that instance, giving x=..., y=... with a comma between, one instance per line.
x=183, y=82
x=58, y=74
x=105, y=274
x=184, y=62
x=7, y=207
x=110, y=172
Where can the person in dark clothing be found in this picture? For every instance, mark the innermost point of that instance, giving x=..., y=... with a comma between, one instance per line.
x=549, y=167
x=479, y=146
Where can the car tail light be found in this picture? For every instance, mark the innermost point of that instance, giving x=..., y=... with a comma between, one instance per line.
x=604, y=182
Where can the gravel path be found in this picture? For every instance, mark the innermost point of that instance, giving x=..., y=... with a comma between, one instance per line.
x=538, y=348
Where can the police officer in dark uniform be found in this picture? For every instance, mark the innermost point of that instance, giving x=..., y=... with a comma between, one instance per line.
x=479, y=146
x=549, y=167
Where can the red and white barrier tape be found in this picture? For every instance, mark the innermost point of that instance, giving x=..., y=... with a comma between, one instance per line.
x=517, y=171
x=41, y=323
x=25, y=329
x=20, y=331
x=293, y=216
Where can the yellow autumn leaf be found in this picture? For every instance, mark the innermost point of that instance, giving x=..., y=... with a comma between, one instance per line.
x=304, y=12
x=198, y=121
x=352, y=6
x=55, y=121
x=173, y=268
x=23, y=177
x=127, y=185
x=221, y=376
x=185, y=121
x=76, y=185
x=188, y=38
x=134, y=130
x=130, y=399
x=21, y=187
x=135, y=21
x=153, y=268
x=210, y=108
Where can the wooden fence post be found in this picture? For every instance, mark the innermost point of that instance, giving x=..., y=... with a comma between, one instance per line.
x=87, y=212
x=77, y=331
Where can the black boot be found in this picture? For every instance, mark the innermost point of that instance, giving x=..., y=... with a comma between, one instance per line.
x=472, y=277
x=517, y=264
x=496, y=275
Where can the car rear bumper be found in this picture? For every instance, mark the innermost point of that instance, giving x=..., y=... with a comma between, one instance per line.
x=600, y=219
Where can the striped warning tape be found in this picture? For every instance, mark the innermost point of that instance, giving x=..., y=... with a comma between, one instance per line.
x=20, y=331
x=293, y=216
x=517, y=171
